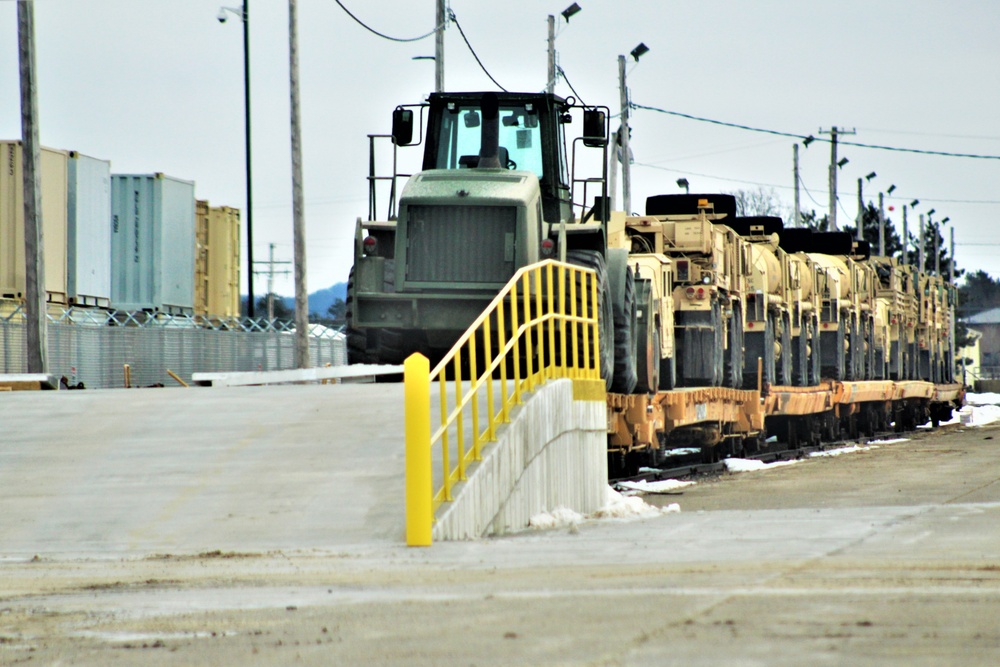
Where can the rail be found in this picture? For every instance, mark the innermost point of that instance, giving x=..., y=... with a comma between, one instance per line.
x=542, y=325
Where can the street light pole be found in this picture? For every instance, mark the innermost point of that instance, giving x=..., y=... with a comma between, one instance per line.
x=243, y=12
x=249, y=170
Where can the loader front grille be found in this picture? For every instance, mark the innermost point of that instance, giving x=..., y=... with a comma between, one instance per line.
x=460, y=244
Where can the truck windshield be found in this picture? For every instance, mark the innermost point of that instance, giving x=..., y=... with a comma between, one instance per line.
x=461, y=130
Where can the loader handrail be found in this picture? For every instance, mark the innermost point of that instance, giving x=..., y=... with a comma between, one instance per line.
x=536, y=314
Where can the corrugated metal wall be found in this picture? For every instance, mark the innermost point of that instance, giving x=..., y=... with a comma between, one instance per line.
x=91, y=346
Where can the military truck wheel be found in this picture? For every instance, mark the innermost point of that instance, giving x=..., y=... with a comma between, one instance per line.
x=625, y=378
x=647, y=340
x=734, y=358
x=815, y=354
x=800, y=362
x=594, y=260
x=770, y=364
x=786, y=350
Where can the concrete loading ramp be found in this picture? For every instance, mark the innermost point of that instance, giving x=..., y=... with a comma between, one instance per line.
x=178, y=471
x=123, y=472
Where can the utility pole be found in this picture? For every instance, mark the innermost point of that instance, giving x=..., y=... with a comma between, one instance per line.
x=34, y=251
x=861, y=211
x=298, y=213
x=270, y=284
x=954, y=304
x=613, y=169
x=920, y=246
x=906, y=237
x=551, y=85
x=797, y=216
x=932, y=230
x=271, y=273
x=881, y=226
x=834, y=132
x=441, y=18
x=626, y=167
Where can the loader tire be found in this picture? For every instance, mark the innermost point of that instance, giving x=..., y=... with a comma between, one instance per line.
x=594, y=260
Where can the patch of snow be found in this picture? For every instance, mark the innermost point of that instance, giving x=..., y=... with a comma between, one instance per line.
x=557, y=518
x=982, y=399
x=662, y=486
x=973, y=415
x=682, y=451
x=844, y=450
x=979, y=415
x=616, y=506
x=750, y=465
x=890, y=441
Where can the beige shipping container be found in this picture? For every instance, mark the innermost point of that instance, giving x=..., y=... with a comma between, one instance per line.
x=217, y=261
x=13, y=283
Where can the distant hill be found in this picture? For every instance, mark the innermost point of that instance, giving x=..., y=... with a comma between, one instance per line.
x=319, y=301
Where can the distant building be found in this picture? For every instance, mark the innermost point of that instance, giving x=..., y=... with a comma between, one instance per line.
x=988, y=324
x=972, y=355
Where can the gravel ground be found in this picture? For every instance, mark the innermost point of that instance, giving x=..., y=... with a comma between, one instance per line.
x=888, y=556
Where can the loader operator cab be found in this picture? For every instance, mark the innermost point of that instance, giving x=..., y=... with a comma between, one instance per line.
x=530, y=136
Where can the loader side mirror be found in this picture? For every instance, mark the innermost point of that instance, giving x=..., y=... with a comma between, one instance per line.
x=402, y=126
x=594, y=128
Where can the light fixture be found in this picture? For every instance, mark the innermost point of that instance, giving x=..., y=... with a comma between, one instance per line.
x=423, y=58
x=931, y=212
x=808, y=140
x=945, y=220
x=683, y=183
x=842, y=162
x=870, y=176
x=572, y=10
x=891, y=188
x=913, y=204
x=639, y=51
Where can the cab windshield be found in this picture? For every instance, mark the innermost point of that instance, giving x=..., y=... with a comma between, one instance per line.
x=461, y=133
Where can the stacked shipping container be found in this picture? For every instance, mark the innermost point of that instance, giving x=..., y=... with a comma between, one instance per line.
x=126, y=242
x=53, y=178
x=88, y=225
x=217, y=261
x=152, y=243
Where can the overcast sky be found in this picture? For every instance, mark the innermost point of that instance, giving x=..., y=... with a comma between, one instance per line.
x=158, y=86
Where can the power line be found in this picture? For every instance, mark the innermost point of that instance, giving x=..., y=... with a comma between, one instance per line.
x=800, y=137
x=454, y=18
x=562, y=73
x=383, y=35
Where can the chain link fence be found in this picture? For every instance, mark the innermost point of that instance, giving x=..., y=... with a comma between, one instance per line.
x=91, y=346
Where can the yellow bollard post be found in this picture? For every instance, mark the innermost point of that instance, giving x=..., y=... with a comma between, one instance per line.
x=417, y=393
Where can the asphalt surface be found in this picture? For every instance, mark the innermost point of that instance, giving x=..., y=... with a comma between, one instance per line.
x=193, y=527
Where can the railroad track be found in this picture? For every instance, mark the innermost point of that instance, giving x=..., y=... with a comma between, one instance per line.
x=691, y=466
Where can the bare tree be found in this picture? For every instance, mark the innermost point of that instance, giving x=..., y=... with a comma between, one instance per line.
x=760, y=201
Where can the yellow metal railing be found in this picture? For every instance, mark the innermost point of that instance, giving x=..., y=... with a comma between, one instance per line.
x=520, y=341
